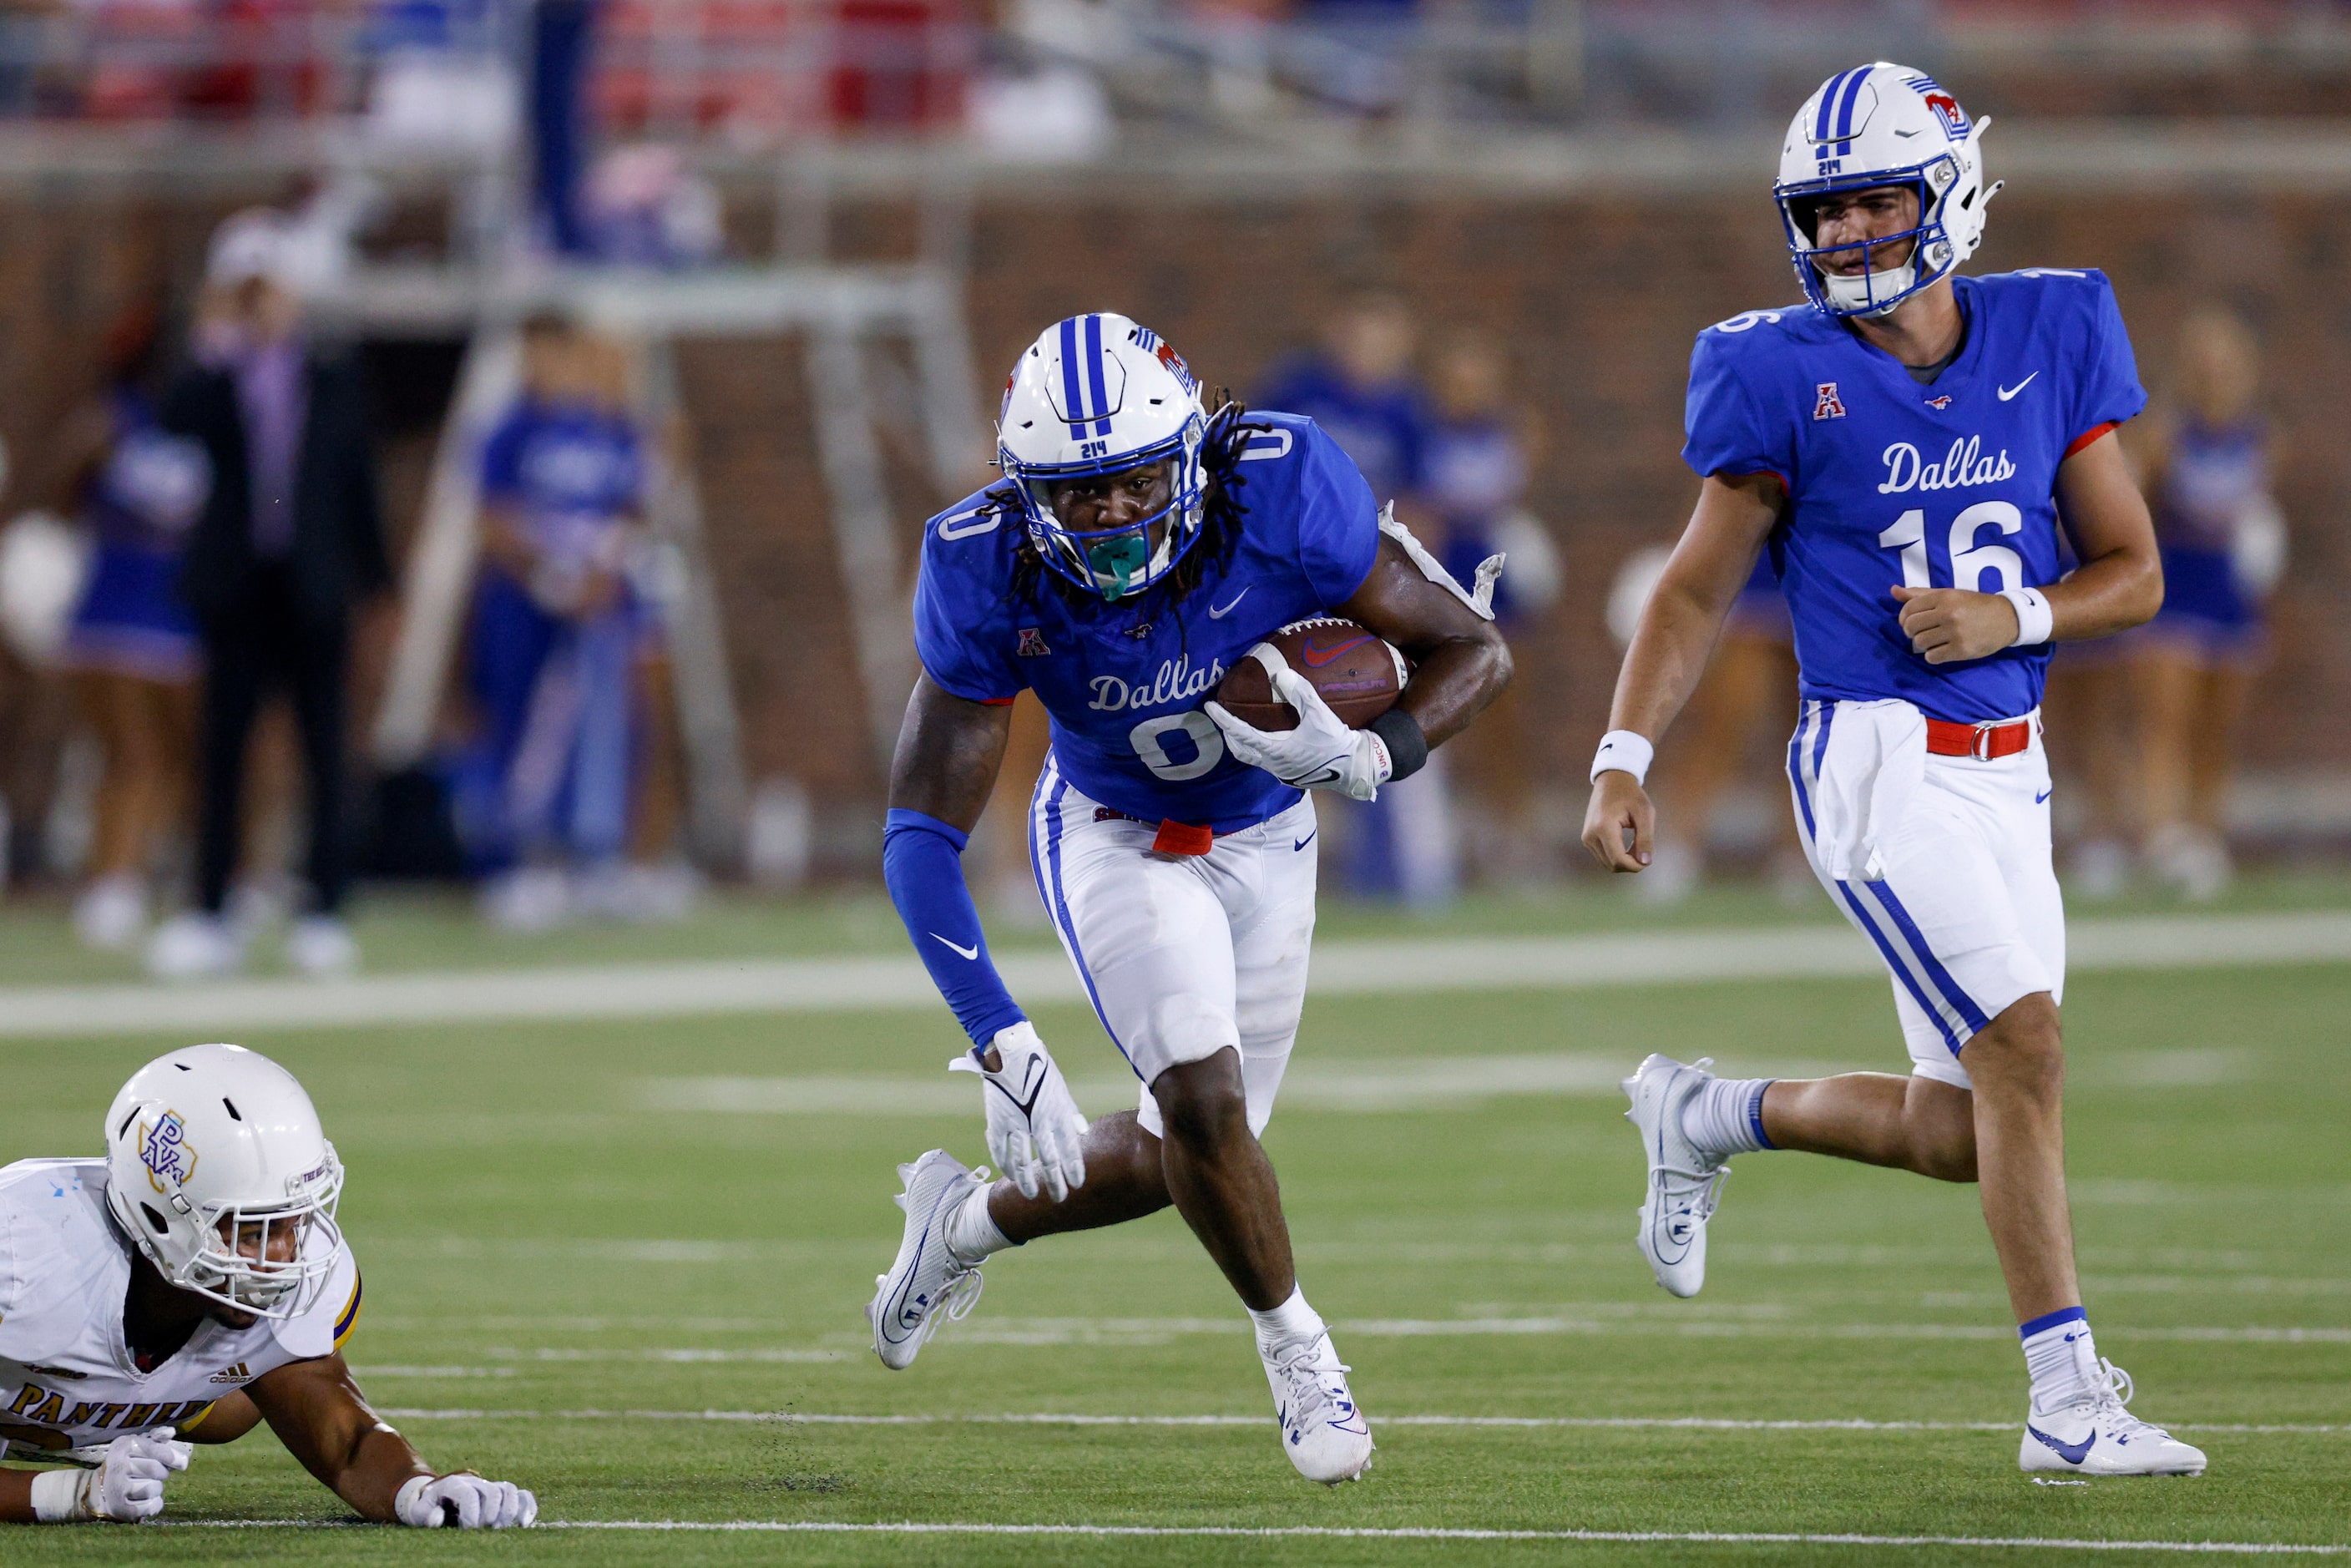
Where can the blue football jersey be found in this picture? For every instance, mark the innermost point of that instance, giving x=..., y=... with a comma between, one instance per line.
x=560, y=461
x=1890, y=482
x=1124, y=684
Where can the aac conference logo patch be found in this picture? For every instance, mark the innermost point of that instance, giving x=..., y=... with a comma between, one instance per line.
x=1829, y=405
x=164, y=1150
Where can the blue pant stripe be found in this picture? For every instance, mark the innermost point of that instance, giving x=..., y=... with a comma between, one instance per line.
x=1961, y=1003
x=1057, y=903
x=1796, y=775
x=1901, y=970
x=1821, y=739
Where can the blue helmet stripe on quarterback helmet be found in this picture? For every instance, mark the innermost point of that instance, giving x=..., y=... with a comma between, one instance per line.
x=1828, y=101
x=1846, y=106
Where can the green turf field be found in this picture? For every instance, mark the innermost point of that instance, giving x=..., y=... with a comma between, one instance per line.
x=646, y=1314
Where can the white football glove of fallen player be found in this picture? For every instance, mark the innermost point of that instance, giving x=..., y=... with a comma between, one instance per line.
x=464, y=1501
x=1034, y=1129
x=126, y=1486
x=1321, y=753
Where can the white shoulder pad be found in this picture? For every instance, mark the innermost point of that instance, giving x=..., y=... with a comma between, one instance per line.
x=1481, y=599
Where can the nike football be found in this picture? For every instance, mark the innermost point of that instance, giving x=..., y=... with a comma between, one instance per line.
x=1357, y=673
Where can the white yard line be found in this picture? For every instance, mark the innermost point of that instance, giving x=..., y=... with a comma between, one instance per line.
x=1059, y=1419
x=1335, y=1532
x=1340, y=968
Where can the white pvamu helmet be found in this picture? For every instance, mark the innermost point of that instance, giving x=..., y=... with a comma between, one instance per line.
x=212, y=1139
x=1882, y=124
x=1099, y=394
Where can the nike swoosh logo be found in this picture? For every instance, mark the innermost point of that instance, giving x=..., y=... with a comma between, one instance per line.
x=2008, y=392
x=2036, y=801
x=957, y=948
x=1304, y=841
x=1318, y=657
x=1034, y=1089
x=2072, y=1453
x=1219, y=611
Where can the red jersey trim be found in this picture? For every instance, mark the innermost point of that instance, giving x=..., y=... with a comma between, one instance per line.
x=2089, y=436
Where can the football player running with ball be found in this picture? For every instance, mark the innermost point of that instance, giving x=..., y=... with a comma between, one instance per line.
x=183, y=1290
x=1137, y=547
x=1906, y=444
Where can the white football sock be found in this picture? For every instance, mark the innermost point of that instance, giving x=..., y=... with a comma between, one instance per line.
x=1726, y=1117
x=1293, y=1319
x=2060, y=1355
x=972, y=1233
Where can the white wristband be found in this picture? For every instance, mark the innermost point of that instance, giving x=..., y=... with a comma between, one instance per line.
x=2035, y=620
x=1622, y=751
x=57, y=1496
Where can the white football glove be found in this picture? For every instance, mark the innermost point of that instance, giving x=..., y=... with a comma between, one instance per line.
x=126, y=1486
x=464, y=1501
x=1321, y=753
x=1034, y=1129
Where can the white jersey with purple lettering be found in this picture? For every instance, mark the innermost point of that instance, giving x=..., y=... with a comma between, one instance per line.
x=1942, y=862
x=68, y=1378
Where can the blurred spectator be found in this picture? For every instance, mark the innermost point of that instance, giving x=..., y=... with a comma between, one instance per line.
x=1358, y=385
x=2092, y=743
x=289, y=539
x=1748, y=691
x=569, y=665
x=2205, y=460
x=643, y=207
x=131, y=653
x=1476, y=453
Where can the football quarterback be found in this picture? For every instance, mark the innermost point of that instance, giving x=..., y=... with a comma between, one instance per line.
x=1905, y=445
x=182, y=1289
x=1138, y=547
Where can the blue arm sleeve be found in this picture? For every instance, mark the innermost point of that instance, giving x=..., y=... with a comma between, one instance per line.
x=922, y=863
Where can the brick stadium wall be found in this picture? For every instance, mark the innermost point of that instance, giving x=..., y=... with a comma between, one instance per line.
x=1600, y=296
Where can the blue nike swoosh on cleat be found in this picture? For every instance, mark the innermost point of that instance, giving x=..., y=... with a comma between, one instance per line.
x=1304, y=841
x=2072, y=1453
x=2042, y=796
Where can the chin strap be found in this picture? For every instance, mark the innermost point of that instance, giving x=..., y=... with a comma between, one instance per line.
x=1479, y=599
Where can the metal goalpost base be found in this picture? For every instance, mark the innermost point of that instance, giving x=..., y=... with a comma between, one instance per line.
x=843, y=311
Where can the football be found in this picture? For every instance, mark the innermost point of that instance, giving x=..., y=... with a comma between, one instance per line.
x=1359, y=675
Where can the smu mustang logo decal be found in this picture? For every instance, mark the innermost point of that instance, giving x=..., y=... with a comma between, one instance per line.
x=164, y=1150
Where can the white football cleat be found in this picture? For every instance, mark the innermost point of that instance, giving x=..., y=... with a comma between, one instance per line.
x=320, y=947
x=1325, y=1435
x=1685, y=1183
x=2094, y=1436
x=928, y=1285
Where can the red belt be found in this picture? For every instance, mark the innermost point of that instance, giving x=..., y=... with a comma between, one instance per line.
x=1174, y=838
x=1984, y=742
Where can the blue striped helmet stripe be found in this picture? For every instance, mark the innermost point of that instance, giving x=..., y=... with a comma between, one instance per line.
x=1072, y=399
x=1854, y=84
x=1094, y=372
x=1828, y=105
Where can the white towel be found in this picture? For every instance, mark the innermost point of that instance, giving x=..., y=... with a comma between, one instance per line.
x=1875, y=760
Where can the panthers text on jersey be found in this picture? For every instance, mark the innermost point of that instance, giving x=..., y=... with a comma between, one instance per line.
x=1891, y=482
x=66, y=1376
x=1124, y=683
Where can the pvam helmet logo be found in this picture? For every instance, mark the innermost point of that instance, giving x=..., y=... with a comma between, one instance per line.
x=164, y=1150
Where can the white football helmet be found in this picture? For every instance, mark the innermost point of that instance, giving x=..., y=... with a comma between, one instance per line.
x=1099, y=394
x=1882, y=124
x=213, y=1143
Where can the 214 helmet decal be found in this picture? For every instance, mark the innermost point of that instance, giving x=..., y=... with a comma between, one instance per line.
x=1882, y=124
x=1097, y=395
